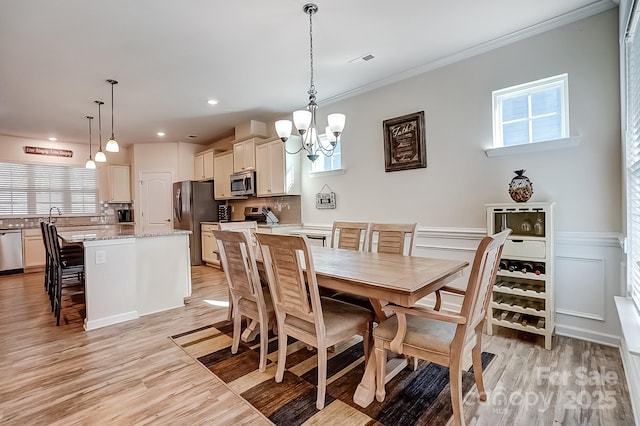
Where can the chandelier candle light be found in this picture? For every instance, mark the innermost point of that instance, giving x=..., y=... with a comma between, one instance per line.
x=100, y=157
x=90, y=164
x=112, y=144
x=305, y=120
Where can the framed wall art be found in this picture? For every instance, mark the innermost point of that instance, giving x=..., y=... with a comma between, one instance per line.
x=405, y=146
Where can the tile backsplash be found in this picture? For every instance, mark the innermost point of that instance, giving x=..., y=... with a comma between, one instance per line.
x=286, y=208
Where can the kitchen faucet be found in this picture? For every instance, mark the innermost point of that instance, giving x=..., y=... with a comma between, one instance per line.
x=59, y=214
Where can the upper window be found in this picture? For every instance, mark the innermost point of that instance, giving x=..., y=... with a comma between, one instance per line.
x=326, y=164
x=533, y=112
x=33, y=189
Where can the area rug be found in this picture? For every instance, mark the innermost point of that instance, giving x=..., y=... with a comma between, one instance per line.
x=418, y=397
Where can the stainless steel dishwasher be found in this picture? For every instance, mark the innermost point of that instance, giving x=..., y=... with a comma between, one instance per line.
x=10, y=251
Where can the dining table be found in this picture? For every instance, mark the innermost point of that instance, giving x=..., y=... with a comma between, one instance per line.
x=383, y=278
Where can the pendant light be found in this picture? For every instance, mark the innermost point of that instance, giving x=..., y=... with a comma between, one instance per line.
x=112, y=144
x=90, y=164
x=100, y=157
x=305, y=120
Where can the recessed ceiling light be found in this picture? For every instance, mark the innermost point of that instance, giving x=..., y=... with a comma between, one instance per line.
x=160, y=133
x=212, y=102
x=53, y=139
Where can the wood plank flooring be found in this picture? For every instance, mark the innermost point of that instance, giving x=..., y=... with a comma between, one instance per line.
x=132, y=373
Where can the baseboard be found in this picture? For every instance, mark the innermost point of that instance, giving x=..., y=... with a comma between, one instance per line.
x=166, y=308
x=588, y=335
x=114, y=319
x=631, y=365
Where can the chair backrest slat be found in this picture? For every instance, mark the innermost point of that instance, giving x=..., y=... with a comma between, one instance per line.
x=349, y=235
x=239, y=264
x=481, y=279
x=288, y=261
x=392, y=237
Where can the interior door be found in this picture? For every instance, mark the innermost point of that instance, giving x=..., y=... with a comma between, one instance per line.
x=156, y=201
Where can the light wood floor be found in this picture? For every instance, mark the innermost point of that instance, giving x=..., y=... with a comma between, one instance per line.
x=132, y=373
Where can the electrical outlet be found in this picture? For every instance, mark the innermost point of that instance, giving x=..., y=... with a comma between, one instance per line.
x=232, y=209
x=94, y=219
x=101, y=257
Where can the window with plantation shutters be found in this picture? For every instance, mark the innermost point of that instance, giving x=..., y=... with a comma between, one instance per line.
x=632, y=153
x=32, y=189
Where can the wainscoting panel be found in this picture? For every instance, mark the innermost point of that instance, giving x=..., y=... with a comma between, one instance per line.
x=580, y=287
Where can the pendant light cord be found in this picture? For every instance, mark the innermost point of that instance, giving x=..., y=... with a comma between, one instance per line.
x=312, y=88
x=112, y=137
x=90, y=118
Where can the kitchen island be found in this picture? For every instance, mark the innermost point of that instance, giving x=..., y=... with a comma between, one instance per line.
x=129, y=274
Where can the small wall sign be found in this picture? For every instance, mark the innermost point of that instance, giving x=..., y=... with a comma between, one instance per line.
x=326, y=200
x=48, y=151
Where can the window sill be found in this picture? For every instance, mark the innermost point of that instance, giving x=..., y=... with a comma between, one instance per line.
x=533, y=147
x=630, y=321
x=327, y=173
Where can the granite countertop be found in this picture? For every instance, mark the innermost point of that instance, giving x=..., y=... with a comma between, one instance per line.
x=61, y=226
x=79, y=236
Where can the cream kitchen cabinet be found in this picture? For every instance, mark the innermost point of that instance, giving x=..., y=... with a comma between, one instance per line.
x=209, y=245
x=33, y=254
x=119, y=181
x=223, y=167
x=244, y=155
x=203, y=166
x=277, y=172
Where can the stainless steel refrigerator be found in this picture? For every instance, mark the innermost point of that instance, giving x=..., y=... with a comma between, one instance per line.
x=193, y=203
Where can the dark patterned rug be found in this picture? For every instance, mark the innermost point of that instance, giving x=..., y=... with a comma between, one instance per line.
x=418, y=397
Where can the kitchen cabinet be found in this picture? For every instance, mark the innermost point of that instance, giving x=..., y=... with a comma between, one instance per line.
x=277, y=172
x=33, y=254
x=119, y=181
x=209, y=245
x=203, y=166
x=223, y=167
x=523, y=294
x=244, y=155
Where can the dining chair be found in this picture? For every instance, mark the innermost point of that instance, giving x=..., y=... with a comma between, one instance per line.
x=392, y=237
x=249, y=227
x=67, y=271
x=248, y=298
x=300, y=311
x=441, y=336
x=349, y=235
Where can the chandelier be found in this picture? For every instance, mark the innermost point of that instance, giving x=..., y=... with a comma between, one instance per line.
x=305, y=120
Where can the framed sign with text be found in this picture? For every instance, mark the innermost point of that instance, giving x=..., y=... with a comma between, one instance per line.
x=405, y=146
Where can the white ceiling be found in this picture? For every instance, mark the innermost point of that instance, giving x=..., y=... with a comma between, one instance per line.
x=171, y=56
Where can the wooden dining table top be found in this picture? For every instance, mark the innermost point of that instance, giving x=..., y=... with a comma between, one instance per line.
x=402, y=280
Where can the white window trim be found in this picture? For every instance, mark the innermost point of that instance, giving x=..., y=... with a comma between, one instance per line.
x=498, y=96
x=527, y=148
x=327, y=173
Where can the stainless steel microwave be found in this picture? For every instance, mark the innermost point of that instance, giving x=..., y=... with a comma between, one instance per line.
x=243, y=183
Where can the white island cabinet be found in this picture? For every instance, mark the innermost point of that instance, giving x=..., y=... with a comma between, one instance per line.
x=128, y=275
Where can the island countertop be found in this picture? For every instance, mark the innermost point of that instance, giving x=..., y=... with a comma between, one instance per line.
x=79, y=236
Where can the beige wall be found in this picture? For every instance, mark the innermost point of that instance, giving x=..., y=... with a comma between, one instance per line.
x=12, y=150
x=459, y=179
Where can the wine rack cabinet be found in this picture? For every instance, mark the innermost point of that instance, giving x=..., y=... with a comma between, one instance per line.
x=523, y=294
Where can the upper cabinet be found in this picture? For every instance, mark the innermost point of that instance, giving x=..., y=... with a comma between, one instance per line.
x=244, y=155
x=203, y=165
x=223, y=167
x=119, y=184
x=277, y=173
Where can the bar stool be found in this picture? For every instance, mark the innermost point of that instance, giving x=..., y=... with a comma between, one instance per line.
x=68, y=271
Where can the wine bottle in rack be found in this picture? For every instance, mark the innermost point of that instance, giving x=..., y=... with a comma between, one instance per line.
x=538, y=268
x=504, y=265
x=514, y=266
x=526, y=267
